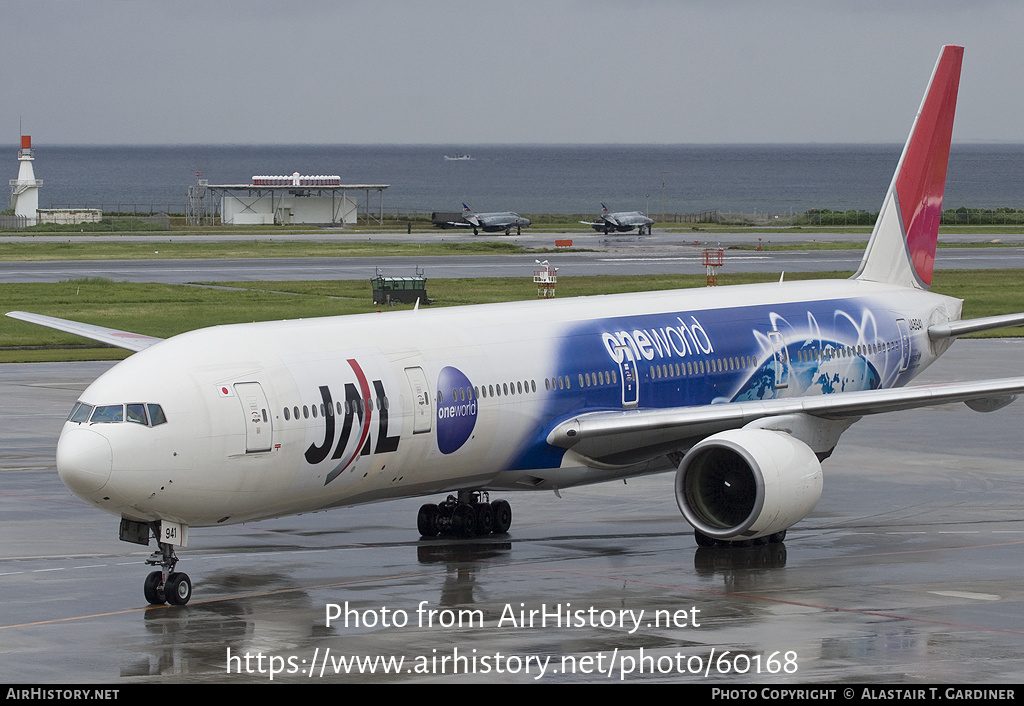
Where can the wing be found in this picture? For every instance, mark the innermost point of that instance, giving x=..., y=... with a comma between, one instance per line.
x=113, y=337
x=629, y=436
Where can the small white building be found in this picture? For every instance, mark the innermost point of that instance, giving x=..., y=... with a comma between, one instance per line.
x=25, y=189
x=288, y=200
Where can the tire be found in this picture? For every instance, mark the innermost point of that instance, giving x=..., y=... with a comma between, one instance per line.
x=152, y=589
x=426, y=520
x=178, y=589
x=484, y=519
x=464, y=520
x=502, y=516
x=702, y=539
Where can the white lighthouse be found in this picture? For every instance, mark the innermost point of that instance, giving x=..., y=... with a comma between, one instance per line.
x=25, y=189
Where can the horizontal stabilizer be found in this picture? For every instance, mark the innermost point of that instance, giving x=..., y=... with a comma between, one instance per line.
x=961, y=328
x=120, y=339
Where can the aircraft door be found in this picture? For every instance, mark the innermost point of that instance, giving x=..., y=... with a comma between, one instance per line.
x=904, y=343
x=630, y=378
x=258, y=426
x=781, y=360
x=421, y=407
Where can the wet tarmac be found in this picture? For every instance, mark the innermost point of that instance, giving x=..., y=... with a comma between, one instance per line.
x=908, y=570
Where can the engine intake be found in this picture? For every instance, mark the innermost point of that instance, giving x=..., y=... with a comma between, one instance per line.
x=747, y=483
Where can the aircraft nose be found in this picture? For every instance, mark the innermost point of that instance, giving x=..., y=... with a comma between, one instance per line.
x=83, y=460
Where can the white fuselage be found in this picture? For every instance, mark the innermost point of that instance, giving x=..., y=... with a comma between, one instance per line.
x=270, y=419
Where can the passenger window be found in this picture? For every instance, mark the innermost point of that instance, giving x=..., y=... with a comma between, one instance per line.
x=287, y=416
x=136, y=413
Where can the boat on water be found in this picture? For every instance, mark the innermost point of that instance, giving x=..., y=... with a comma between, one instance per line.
x=458, y=158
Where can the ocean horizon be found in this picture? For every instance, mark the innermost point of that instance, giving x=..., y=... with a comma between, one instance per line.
x=536, y=178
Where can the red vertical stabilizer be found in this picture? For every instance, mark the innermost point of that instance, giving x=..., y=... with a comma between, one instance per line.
x=902, y=246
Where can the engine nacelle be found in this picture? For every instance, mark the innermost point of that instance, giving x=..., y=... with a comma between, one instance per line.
x=747, y=483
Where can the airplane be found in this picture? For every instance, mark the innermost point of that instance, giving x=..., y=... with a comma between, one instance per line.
x=623, y=222
x=743, y=391
x=491, y=222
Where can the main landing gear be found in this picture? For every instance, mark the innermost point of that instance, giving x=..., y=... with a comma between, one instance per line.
x=704, y=540
x=166, y=585
x=468, y=515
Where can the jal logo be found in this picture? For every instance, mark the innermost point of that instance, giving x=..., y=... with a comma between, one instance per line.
x=456, y=410
x=356, y=417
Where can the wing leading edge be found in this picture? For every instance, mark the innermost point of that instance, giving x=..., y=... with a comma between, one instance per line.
x=114, y=337
x=620, y=437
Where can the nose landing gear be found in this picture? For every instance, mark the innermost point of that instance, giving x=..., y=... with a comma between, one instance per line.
x=166, y=585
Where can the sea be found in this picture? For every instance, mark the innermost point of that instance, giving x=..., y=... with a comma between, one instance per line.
x=559, y=179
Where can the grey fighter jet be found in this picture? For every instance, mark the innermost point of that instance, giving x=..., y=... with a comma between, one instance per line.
x=622, y=222
x=491, y=222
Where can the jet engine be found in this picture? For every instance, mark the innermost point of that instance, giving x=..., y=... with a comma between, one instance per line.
x=747, y=484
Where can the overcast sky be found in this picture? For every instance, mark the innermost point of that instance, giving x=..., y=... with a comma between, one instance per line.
x=481, y=71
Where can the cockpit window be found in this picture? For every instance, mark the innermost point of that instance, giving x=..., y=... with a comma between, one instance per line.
x=156, y=414
x=80, y=413
x=136, y=413
x=107, y=413
x=113, y=413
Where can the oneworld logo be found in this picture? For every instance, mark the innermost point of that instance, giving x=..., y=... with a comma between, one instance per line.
x=665, y=342
x=456, y=410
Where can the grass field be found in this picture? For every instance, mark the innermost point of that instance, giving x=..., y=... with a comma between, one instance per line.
x=163, y=248
x=165, y=310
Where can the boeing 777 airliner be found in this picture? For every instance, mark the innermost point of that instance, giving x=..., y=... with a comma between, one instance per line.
x=742, y=390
